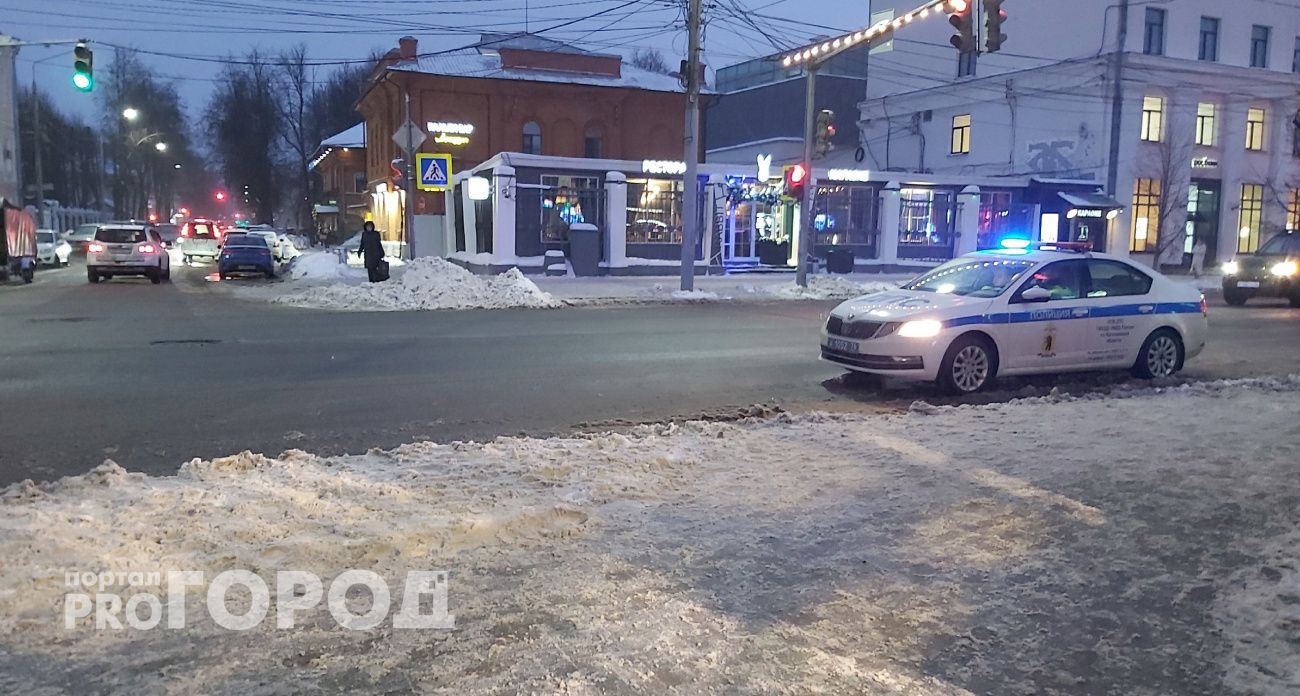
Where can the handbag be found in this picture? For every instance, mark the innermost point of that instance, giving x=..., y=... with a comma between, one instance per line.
x=381, y=270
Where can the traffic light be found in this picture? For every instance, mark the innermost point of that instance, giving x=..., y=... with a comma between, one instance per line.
x=825, y=131
x=220, y=196
x=994, y=16
x=83, y=67
x=796, y=179
x=962, y=18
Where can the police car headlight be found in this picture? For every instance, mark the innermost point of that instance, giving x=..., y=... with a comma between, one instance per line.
x=1231, y=268
x=1285, y=269
x=922, y=328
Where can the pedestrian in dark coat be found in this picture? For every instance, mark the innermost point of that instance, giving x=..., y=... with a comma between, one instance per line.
x=372, y=250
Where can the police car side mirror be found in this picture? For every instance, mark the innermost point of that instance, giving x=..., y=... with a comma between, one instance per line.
x=1037, y=294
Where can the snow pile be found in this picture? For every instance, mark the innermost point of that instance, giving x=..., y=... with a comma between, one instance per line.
x=828, y=287
x=977, y=550
x=694, y=295
x=426, y=283
x=321, y=266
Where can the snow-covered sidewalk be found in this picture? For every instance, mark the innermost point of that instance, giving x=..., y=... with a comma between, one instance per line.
x=1143, y=544
x=316, y=279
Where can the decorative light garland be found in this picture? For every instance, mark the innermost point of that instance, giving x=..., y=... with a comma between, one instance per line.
x=934, y=7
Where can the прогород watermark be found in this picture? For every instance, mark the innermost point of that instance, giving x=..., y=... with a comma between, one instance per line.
x=148, y=600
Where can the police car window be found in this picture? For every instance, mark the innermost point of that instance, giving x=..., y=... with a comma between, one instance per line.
x=972, y=277
x=1115, y=279
x=1063, y=279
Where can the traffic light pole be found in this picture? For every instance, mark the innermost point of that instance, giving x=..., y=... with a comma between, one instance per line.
x=805, y=242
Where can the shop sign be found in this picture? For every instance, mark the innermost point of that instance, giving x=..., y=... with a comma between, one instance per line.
x=1204, y=163
x=448, y=133
x=849, y=175
x=663, y=167
x=764, y=167
x=1086, y=213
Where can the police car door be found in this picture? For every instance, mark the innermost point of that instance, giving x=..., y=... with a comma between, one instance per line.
x=1051, y=333
x=1123, y=311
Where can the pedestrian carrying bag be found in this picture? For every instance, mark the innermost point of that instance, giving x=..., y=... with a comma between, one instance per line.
x=381, y=270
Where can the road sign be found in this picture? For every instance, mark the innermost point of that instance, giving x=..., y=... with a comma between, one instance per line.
x=409, y=136
x=435, y=171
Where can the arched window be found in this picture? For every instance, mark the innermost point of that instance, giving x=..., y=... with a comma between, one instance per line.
x=593, y=142
x=532, y=138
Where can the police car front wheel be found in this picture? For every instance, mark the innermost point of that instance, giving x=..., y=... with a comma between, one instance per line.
x=969, y=365
x=1161, y=355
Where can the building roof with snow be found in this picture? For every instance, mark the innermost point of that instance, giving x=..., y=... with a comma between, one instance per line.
x=533, y=58
x=352, y=137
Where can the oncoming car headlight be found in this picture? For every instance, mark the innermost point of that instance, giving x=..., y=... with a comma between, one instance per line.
x=1285, y=268
x=921, y=328
x=1231, y=268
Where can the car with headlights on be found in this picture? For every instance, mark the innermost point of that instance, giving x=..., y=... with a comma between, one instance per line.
x=51, y=249
x=127, y=249
x=1272, y=271
x=1022, y=310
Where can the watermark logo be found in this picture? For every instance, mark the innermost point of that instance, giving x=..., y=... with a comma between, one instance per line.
x=147, y=600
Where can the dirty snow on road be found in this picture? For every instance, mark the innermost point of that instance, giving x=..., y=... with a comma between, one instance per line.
x=1140, y=543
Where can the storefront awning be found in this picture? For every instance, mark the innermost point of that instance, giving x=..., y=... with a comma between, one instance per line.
x=1092, y=201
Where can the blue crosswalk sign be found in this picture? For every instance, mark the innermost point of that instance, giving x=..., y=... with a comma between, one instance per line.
x=435, y=171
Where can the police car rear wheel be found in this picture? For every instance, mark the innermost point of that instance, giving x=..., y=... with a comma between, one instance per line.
x=968, y=366
x=1161, y=355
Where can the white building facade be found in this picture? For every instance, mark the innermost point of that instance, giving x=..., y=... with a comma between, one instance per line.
x=1207, y=144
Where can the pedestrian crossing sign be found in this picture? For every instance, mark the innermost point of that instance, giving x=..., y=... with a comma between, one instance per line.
x=435, y=171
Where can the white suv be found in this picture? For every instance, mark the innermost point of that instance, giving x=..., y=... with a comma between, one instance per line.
x=127, y=249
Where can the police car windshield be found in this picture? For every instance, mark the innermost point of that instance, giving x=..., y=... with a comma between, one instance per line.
x=972, y=277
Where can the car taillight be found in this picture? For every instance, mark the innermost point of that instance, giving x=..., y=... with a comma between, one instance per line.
x=95, y=247
x=1205, y=307
x=146, y=248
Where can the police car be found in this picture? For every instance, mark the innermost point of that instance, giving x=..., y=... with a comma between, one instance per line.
x=1023, y=309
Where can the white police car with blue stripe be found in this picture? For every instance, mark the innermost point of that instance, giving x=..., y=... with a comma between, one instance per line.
x=1024, y=309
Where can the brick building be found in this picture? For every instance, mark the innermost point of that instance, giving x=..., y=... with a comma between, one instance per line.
x=517, y=93
x=340, y=162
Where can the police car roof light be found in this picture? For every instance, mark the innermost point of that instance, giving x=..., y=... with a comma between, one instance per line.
x=1015, y=243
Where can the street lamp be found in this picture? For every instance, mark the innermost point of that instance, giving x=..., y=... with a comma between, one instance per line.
x=130, y=113
x=161, y=147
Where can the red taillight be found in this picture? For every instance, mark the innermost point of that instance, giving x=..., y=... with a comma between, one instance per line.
x=146, y=248
x=95, y=248
x=1205, y=307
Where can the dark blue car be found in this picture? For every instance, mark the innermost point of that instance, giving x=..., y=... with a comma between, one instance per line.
x=243, y=253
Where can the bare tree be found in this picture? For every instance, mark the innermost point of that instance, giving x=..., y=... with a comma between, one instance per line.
x=245, y=123
x=650, y=59
x=1172, y=161
x=295, y=78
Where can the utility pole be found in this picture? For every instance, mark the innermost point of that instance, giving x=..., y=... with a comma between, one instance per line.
x=36, y=152
x=1117, y=100
x=691, y=178
x=804, y=243
x=408, y=210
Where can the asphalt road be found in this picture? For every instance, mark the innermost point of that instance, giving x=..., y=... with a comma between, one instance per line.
x=152, y=376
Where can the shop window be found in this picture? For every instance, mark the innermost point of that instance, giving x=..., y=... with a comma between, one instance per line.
x=1209, y=48
x=925, y=218
x=359, y=183
x=1248, y=218
x=1205, y=124
x=1259, y=46
x=1146, y=215
x=654, y=211
x=483, y=224
x=845, y=215
x=1255, y=129
x=593, y=143
x=960, y=135
x=1153, y=43
x=1293, y=210
x=995, y=218
x=532, y=143
x=567, y=201
x=1153, y=116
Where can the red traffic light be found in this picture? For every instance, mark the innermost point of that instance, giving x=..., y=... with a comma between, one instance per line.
x=220, y=195
x=958, y=5
x=798, y=174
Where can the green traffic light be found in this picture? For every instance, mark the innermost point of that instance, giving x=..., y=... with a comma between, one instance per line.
x=83, y=82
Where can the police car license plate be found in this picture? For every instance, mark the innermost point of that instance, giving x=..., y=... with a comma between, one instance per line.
x=841, y=345
x=1247, y=284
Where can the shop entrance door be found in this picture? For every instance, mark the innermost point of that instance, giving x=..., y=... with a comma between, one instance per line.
x=1203, y=219
x=740, y=246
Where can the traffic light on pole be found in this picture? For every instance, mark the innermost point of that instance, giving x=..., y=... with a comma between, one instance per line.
x=83, y=67
x=994, y=16
x=796, y=179
x=825, y=131
x=962, y=18
x=220, y=196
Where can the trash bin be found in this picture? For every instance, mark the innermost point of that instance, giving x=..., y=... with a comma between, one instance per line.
x=839, y=261
x=584, y=249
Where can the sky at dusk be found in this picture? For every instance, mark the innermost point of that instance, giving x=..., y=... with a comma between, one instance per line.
x=340, y=30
